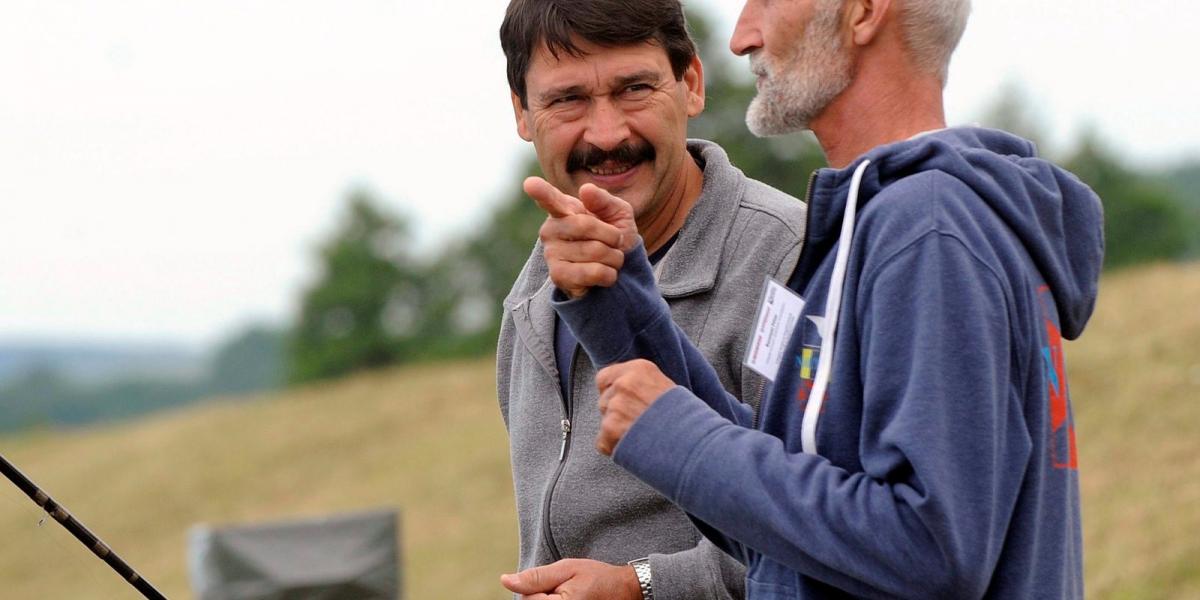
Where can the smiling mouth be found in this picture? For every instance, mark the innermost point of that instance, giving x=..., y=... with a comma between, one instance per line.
x=609, y=168
x=612, y=163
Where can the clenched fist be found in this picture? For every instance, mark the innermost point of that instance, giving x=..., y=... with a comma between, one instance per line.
x=626, y=390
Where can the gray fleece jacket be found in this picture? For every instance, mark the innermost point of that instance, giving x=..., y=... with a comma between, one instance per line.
x=573, y=502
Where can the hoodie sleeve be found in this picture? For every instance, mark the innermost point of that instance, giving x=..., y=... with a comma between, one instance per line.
x=631, y=320
x=944, y=444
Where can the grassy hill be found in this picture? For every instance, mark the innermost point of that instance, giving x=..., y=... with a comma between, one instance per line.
x=429, y=440
x=1135, y=383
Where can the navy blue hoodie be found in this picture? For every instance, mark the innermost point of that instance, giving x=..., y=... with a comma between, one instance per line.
x=942, y=460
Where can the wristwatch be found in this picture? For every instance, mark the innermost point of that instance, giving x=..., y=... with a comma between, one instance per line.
x=641, y=567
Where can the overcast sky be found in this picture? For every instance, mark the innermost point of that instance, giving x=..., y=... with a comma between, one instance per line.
x=167, y=167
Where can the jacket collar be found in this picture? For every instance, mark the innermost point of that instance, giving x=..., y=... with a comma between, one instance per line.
x=531, y=312
x=692, y=264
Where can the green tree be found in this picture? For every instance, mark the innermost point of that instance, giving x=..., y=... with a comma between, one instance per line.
x=1184, y=182
x=464, y=286
x=1143, y=220
x=250, y=361
x=366, y=301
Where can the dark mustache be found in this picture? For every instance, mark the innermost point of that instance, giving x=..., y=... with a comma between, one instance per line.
x=627, y=154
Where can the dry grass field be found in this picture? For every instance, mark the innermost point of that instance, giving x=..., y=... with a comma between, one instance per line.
x=428, y=440
x=1135, y=384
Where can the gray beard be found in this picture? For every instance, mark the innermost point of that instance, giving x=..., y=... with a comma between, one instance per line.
x=794, y=93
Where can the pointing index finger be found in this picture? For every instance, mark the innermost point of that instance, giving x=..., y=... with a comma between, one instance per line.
x=551, y=199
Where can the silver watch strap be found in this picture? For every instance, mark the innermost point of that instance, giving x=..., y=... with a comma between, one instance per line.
x=641, y=567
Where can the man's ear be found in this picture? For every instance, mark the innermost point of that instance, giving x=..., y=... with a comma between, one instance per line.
x=693, y=79
x=866, y=18
x=522, y=115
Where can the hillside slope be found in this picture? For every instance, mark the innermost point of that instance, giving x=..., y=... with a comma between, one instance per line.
x=1135, y=383
x=429, y=440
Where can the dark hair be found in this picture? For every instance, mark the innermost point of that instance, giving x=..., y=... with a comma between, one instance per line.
x=608, y=23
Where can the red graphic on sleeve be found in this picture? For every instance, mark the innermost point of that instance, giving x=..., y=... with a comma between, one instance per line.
x=1062, y=426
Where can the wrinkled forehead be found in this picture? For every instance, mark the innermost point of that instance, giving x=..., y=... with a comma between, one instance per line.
x=593, y=66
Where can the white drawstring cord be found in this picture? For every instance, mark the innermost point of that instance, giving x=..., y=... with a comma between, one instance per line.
x=833, y=306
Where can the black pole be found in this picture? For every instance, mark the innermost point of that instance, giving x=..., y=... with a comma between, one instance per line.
x=81, y=533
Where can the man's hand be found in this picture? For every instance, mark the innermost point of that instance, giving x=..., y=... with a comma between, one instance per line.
x=611, y=210
x=585, y=238
x=626, y=390
x=575, y=579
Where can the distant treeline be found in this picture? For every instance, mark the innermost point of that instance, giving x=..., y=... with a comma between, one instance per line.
x=374, y=302
x=51, y=393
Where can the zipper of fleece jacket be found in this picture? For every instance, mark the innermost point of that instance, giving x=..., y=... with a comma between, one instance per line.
x=760, y=394
x=808, y=190
x=567, y=403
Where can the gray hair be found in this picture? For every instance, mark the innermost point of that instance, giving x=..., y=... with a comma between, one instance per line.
x=932, y=29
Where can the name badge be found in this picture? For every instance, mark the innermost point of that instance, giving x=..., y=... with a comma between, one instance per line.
x=779, y=309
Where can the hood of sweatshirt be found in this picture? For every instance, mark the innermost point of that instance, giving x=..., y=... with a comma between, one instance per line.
x=1057, y=218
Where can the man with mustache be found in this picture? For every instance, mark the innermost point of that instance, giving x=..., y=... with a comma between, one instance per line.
x=917, y=440
x=604, y=90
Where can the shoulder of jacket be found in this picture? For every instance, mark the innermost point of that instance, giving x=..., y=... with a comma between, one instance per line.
x=773, y=208
x=920, y=201
x=530, y=279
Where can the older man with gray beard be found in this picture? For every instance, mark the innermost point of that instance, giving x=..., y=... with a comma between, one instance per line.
x=917, y=440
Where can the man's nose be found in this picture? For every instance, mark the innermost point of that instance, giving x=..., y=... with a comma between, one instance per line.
x=607, y=127
x=746, y=34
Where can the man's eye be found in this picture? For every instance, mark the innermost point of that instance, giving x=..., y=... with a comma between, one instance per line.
x=637, y=91
x=564, y=100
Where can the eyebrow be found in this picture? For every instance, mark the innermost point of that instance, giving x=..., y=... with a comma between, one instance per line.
x=638, y=77
x=551, y=94
x=643, y=76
